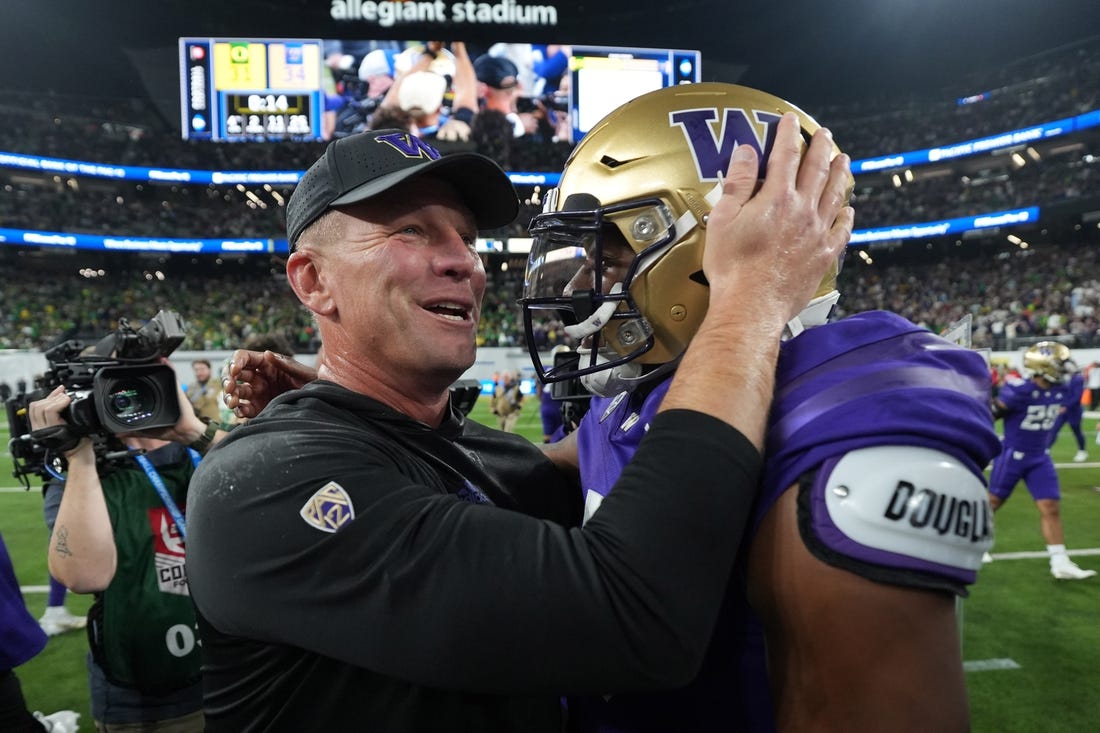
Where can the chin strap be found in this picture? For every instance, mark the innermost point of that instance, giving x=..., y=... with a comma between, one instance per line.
x=624, y=378
x=608, y=382
x=815, y=313
x=598, y=319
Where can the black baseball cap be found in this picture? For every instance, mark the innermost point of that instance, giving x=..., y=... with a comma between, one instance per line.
x=360, y=166
x=496, y=71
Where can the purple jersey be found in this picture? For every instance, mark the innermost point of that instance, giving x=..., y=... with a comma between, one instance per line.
x=731, y=690
x=610, y=433
x=1032, y=413
x=875, y=379
x=1031, y=423
x=870, y=379
x=20, y=635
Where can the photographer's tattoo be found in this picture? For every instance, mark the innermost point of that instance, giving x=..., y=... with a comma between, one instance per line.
x=61, y=547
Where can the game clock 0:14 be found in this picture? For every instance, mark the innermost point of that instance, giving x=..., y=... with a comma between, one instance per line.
x=268, y=116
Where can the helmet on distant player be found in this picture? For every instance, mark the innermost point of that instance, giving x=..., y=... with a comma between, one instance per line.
x=1049, y=360
x=617, y=252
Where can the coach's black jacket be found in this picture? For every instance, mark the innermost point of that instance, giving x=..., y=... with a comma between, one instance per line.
x=354, y=569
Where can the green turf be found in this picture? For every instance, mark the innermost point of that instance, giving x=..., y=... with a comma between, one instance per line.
x=528, y=425
x=1016, y=611
x=56, y=679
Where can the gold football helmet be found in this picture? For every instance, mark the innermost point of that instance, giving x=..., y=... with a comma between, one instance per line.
x=642, y=181
x=1050, y=360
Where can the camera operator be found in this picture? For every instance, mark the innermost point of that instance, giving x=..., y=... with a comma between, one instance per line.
x=120, y=534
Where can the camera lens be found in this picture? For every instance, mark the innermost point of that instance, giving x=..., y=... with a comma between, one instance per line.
x=131, y=398
x=130, y=404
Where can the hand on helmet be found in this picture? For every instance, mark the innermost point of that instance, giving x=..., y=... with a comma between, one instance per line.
x=769, y=248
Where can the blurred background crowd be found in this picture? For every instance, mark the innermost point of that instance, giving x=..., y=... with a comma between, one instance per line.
x=1046, y=283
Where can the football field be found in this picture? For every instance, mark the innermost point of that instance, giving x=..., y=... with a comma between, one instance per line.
x=1030, y=642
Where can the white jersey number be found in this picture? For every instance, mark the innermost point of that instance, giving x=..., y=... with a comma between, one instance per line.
x=1040, y=417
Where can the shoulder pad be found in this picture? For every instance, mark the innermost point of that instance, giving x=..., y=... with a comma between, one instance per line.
x=909, y=510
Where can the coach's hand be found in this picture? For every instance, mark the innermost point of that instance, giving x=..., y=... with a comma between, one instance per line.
x=253, y=378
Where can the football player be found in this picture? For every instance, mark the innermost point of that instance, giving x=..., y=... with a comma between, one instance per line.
x=873, y=514
x=1030, y=408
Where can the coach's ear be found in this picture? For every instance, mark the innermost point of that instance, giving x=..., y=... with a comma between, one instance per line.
x=304, y=272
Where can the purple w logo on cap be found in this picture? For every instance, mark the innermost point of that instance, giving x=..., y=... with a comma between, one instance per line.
x=712, y=152
x=408, y=145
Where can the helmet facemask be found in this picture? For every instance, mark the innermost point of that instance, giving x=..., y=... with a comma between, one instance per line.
x=581, y=270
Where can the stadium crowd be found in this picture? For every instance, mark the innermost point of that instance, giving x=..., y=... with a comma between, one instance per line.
x=1013, y=293
x=1059, y=83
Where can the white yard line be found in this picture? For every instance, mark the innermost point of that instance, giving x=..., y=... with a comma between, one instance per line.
x=987, y=665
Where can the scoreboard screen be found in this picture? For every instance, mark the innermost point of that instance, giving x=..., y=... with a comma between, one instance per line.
x=251, y=90
x=604, y=77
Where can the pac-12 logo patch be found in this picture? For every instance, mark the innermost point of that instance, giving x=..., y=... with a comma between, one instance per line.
x=329, y=509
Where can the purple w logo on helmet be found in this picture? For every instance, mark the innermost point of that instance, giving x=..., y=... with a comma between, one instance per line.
x=712, y=151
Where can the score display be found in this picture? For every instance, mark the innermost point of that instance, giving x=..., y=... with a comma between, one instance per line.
x=251, y=90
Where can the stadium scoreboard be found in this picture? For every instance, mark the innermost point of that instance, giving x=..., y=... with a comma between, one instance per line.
x=604, y=77
x=251, y=90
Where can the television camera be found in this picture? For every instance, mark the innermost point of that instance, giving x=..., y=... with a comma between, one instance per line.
x=354, y=115
x=549, y=101
x=117, y=385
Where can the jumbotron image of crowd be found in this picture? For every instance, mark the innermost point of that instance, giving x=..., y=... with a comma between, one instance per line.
x=1043, y=282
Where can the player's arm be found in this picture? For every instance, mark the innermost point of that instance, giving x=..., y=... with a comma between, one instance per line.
x=861, y=626
x=999, y=409
x=563, y=454
x=81, y=553
x=465, y=81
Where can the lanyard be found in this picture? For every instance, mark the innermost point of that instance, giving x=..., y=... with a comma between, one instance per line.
x=162, y=490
